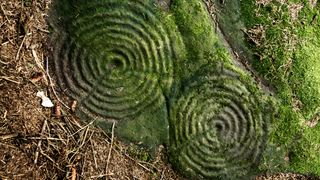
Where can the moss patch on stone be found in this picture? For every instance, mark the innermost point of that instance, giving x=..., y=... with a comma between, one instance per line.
x=282, y=45
x=305, y=78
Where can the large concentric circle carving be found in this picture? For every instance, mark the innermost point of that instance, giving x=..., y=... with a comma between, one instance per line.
x=115, y=57
x=218, y=127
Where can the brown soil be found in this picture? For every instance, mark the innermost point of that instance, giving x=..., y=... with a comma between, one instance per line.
x=51, y=143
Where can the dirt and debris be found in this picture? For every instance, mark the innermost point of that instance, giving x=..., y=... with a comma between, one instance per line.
x=51, y=143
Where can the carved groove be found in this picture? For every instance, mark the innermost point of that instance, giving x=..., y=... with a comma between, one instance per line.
x=114, y=58
x=217, y=125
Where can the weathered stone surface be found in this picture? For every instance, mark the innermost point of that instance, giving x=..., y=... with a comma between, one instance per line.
x=160, y=71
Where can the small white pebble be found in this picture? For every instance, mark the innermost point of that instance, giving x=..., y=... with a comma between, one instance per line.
x=46, y=102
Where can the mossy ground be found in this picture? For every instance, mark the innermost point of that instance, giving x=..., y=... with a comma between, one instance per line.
x=284, y=38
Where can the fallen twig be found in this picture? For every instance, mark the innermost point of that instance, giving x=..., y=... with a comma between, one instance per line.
x=82, y=128
x=8, y=145
x=38, y=63
x=101, y=175
x=4, y=13
x=85, y=138
x=149, y=164
x=42, y=30
x=20, y=47
x=51, y=85
x=94, y=154
x=110, y=149
x=47, y=138
x=8, y=136
x=73, y=173
x=8, y=79
x=5, y=114
x=144, y=167
x=5, y=63
x=3, y=23
x=162, y=174
x=40, y=141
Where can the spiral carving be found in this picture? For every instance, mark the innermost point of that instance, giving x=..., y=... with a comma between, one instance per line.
x=115, y=57
x=218, y=129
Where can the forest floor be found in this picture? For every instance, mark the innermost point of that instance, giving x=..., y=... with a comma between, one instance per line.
x=52, y=143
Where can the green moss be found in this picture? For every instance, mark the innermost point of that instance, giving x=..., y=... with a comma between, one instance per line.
x=289, y=49
x=284, y=59
x=273, y=48
x=284, y=50
x=197, y=29
x=286, y=127
x=305, y=78
x=305, y=155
